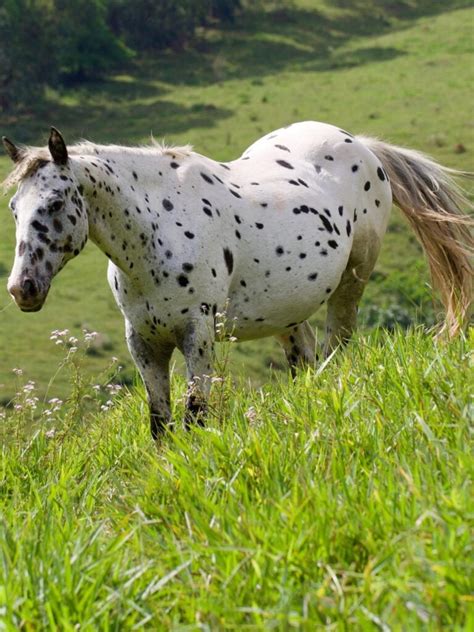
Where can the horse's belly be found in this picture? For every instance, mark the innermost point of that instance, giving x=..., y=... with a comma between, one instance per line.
x=268, y=303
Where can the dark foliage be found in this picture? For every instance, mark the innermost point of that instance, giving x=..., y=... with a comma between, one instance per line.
x=49, y=42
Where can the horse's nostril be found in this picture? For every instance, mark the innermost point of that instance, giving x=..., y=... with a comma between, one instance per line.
x=29, y=288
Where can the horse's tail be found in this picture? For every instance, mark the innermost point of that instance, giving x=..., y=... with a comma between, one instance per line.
x=432, y=202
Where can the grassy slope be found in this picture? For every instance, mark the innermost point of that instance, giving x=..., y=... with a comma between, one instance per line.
x=406, y=78
x=342, y=501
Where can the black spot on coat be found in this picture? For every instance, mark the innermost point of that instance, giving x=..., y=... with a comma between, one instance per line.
x=229, y=260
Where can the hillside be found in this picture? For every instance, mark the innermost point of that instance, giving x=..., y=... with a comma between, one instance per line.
x=340, y=501
x=403, y=75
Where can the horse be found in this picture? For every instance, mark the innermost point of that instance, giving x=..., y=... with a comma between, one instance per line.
x=296, y=222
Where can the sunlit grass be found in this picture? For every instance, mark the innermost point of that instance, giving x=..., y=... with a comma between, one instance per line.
x=342, y=499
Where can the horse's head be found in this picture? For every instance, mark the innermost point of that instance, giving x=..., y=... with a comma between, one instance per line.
x=50, y=216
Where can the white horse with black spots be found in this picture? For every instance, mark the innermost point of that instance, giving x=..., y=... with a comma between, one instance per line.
x=297, y=221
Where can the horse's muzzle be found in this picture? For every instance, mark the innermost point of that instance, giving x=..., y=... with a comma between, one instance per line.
x=28, y=294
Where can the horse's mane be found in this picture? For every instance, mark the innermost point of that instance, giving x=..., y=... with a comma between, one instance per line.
x=32, y=158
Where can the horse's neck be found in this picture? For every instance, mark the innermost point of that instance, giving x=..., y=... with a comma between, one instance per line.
x=114, y=189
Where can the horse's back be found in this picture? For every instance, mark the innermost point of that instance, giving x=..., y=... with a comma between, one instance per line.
x=310, y=193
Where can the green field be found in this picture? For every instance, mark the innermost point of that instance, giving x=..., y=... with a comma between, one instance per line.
x=405, y=76
x=341, y=500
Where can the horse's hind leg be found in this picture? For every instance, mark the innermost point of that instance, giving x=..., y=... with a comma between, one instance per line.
x=299, y=345
x=342, y=306
x=153, y=364
x=197, y=346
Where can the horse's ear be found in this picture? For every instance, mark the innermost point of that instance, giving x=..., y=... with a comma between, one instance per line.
x=12, y=150
x=57, y=147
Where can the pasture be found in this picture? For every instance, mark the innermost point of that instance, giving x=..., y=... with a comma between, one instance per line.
x=342, y=500
x=405, y=80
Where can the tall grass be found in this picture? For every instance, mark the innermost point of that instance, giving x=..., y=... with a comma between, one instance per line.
x=340, y=500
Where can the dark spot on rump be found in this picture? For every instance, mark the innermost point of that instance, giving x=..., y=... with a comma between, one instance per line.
x=283, y=147
x=332, y=244
x=183, y=280
x=237, y=195
x=367, y=186
x=330, y=158
x=207, y=178
x=167, y=205
x=258, y=225
x=189, y=234
x=188, y=267
x=313, y=276
x=207, y=211
x=327, y=223
x=377, y=203
x=279, y=250
x=348, y=228
x=134, y=175
x=380, y=173
x=355, y=168
x=284, y=163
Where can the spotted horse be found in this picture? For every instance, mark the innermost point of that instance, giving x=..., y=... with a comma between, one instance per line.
x=296, y=222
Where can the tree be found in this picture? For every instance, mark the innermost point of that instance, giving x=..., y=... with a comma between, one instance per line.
x=85, y=45
x=26, y=56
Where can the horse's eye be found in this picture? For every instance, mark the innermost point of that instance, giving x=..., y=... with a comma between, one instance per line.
x=56, y=206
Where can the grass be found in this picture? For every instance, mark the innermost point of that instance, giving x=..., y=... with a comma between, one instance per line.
x=402, y=72
x=340, y=501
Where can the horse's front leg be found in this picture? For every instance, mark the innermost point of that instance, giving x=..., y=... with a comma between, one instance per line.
x=153, y=365
x=197, y=346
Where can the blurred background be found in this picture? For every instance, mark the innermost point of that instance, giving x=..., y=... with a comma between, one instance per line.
x=218, y=74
